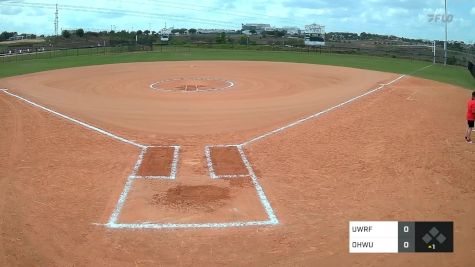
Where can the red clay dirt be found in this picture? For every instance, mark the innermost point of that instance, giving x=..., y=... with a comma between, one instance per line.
x=397, y=154
x=157, y=161
x=227, y=161
x=266, y=95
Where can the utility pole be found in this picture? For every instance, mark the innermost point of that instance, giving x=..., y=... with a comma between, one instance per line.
x=445, y=43
x=56, y=21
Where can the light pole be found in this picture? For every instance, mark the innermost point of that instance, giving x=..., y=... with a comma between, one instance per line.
x=445, y=43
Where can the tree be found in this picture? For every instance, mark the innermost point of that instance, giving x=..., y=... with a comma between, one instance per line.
x=139, y=32
x=80, y=32
x=5, y=35
x=253, y=31
x=192, y=31
x=146, y=32
x=65, y=34
x=221, y=38
x=280, y=33
x=243, y=39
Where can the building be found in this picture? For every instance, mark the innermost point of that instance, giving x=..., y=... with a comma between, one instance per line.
x=215, y=31
x=314, y=35
x=257, y=27
x=292, y=30
x=165, y=34
x=21, y=37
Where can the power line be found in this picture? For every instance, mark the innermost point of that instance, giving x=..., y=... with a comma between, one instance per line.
x=153, y=15
x=141, y=14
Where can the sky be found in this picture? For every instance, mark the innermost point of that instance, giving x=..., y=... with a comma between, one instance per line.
x=406, y=18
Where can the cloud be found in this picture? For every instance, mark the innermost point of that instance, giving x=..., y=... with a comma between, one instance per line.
x=9, y=11
x=398, y=17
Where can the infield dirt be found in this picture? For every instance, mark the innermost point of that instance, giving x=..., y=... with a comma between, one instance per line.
x=397, y=154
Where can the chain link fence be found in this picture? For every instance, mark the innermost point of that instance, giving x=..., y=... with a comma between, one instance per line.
x=423, y=53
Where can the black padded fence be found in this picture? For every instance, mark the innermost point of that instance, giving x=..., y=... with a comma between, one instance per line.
x=471, y=68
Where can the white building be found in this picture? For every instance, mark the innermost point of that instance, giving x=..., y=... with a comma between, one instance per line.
x=165, y=34
x=292, y=30
x=314, y=35
x=257, y=27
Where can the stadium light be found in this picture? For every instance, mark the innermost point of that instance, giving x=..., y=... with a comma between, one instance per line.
x=445, y=43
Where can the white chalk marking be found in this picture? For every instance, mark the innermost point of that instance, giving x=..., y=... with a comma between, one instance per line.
x=125, y=191
x=185, y=225
x=154, y=87
x=233, y=176
x=151, y=177
x=212, y=174
x=174, y=170
x=211, y=170
x=112, y=224
x=86, y=125
x=257, y=185
x=328, y=109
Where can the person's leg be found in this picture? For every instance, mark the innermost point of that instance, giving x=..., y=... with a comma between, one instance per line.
x=469, y=131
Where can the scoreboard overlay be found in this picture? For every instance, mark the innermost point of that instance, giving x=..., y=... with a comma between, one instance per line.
x=400, y=236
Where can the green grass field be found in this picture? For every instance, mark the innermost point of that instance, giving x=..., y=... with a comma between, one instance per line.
x=33, y=63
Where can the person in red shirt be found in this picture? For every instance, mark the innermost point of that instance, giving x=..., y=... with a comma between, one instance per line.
x=470, y=117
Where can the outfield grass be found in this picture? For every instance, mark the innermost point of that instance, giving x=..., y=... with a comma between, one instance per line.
x=451, y=74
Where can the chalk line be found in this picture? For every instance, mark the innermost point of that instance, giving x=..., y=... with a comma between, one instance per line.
x=260, y=192
x=185, y=225
x=211, y=172
x=128, y=185
x=86, y=125
x=260, y=137
x=272, y=218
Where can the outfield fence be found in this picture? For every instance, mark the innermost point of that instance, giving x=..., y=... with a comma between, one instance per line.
x=25, y=54
x=422, y=53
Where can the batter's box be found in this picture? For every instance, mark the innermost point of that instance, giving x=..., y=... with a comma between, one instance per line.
x=172, y=202
x=225, y=161
x=216, y=203
x=159, y=162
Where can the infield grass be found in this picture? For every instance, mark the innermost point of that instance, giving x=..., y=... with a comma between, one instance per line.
x=41, y=62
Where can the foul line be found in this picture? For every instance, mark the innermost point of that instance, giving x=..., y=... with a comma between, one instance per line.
x=125, y=191
x=260, y=192
x=86, y=125
x=260, y=137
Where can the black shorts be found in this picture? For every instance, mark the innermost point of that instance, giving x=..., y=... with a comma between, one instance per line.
x=470, y=124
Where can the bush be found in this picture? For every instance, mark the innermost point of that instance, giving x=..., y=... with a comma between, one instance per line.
x=65, y=34
x=451, y=60
x=80, y=32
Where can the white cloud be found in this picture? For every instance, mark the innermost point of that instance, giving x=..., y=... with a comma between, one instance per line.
x=398, y=17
